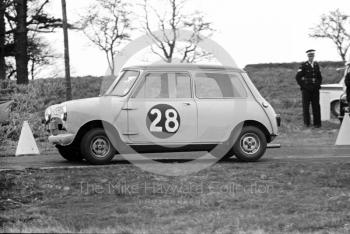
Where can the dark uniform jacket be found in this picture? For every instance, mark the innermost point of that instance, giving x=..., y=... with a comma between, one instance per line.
x=308, y=77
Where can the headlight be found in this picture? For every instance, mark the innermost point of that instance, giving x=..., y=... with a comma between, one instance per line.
x=56, y=111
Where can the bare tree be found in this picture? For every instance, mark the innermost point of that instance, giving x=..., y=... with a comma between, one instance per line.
x=21, y=18
x=108, y=26
x=21, y=42
x=170, y=23
x=40, y=54
x=335, y=26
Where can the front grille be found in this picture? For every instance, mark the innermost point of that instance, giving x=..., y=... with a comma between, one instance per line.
x=54, y=126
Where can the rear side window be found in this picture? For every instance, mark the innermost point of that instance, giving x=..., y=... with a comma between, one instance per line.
x=165, y=85
x=219, y=85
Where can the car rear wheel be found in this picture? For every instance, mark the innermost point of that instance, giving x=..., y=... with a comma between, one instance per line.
x=70, y=153
x=251, y=144
x=96, y=147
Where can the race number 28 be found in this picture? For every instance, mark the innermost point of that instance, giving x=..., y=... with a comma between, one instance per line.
x=163, y=120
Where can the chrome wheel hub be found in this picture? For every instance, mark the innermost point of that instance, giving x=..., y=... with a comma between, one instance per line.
x=250, y=143
x=100, y=147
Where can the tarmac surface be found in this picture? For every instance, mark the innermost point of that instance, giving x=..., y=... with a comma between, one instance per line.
x=284, y=154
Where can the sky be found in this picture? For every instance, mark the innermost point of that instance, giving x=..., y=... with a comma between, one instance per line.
x=251, y=31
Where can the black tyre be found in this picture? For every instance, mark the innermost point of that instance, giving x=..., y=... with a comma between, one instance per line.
x=228, y=155
x=222, y=153
x=70, y=153
x=250, y=145
x=96, y=147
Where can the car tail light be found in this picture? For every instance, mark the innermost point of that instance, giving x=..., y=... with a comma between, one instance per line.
x=278, y=119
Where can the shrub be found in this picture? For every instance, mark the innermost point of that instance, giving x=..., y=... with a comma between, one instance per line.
x=30, y=102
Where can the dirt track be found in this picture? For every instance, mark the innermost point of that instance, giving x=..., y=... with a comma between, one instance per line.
x=54, y=160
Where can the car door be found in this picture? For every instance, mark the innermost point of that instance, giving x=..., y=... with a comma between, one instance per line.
x=222, y=104
x=162, y=110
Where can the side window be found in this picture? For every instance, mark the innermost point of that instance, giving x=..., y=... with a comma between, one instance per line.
x=207, y=87
x=182, y=85
x=155, y=85
x=219, y=85
x=239, y=90
x=165, y=85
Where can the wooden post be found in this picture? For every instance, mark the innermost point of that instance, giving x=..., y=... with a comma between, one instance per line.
x=66, y=52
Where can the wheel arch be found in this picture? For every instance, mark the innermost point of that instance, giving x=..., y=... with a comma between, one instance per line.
x=332, y=107
x=261, y=127
x=334, y=101
x=112, y=131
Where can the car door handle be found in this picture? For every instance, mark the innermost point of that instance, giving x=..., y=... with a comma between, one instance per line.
x=187, y=104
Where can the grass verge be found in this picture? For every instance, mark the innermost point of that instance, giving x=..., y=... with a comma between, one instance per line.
x=265, y=197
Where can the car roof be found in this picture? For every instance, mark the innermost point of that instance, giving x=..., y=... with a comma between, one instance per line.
x=166, y=67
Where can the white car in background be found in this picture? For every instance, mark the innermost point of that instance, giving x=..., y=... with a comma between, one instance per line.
x=330, y=98
x=166, y=108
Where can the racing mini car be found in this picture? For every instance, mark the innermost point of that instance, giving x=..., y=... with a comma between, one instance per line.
x=167, y=108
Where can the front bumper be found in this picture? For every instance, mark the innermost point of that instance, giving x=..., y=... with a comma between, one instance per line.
x=58, y=133
x=62, y=139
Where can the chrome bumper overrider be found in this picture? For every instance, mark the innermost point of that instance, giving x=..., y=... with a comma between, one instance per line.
x=62, y=139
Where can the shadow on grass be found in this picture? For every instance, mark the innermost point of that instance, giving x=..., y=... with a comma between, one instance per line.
x=167, y=161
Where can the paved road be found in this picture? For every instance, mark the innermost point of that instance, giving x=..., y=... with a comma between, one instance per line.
x=54, y=160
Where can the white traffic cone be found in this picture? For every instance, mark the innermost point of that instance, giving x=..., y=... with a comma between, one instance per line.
x=344, y=132
x=26, y=144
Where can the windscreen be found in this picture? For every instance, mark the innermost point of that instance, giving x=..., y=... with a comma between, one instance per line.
x=124, y=84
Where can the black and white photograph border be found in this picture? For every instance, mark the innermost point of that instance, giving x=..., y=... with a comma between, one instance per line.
x=174, y=116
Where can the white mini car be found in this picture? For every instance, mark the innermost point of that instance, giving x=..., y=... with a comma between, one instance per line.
x=167, y=108
x=331, y=105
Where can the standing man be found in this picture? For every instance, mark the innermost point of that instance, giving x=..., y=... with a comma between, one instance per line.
x=309, y=79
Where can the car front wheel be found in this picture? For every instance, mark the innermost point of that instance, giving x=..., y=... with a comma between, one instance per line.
x=251, y=144
x=96, y=147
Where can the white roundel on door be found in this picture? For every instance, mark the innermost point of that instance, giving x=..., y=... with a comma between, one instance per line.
x=163, y=121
